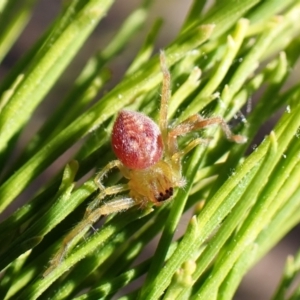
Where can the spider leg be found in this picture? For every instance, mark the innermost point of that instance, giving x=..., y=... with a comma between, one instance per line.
x=93, y=213
x=90, y=217
x=165, y=98
x=110, y=190
x=111, y=165
x=195, y=122
x=115, y=205
x=191, y=145
x=176, y=157
x=116, y=189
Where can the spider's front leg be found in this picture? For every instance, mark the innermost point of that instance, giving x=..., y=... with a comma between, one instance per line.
x=196, y=122
x=193, y=123
x=93, y=213
x=110, y=190
x=115, y=205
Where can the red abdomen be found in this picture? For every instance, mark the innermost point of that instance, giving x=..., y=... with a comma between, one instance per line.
x=136, y=140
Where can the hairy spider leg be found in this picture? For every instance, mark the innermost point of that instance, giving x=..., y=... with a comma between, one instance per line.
x=116, y=189
x=111, y=190
x=176, y=157
x=93, y=213
x=165, y=98
x=115, y=205
x=111, y=165
x=195, y=122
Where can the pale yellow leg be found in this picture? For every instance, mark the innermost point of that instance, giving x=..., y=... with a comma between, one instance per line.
x=116, y=189
x=195, y=122
x=178, y=155
x=111, y=165
x=93, y=213
x=115, y=205
x=165, y=98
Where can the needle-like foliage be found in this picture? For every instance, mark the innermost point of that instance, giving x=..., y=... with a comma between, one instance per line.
x=245, y=197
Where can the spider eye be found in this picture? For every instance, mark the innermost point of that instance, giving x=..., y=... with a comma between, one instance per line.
x=136, y=140
x=166, y=195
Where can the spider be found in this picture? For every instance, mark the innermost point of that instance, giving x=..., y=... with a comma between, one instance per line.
x=148, y=157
